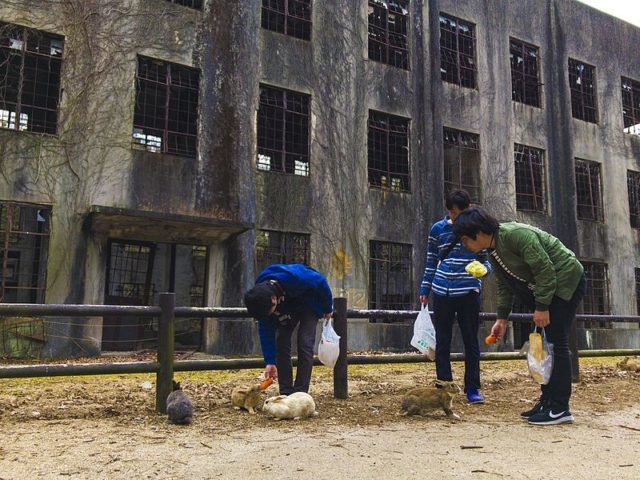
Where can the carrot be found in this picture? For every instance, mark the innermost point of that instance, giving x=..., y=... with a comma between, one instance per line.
x=490, y=339
x=265, y=383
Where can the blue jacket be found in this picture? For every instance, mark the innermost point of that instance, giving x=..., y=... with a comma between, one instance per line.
x=448, y=277
x=303, y=288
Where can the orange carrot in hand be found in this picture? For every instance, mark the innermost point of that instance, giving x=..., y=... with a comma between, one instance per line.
x=265, y=383
x=490, y=339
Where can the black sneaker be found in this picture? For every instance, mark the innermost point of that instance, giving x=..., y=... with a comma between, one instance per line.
x=537, y=408
x=550, y=417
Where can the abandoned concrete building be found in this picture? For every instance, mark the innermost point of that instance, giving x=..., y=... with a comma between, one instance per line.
x=182, y=145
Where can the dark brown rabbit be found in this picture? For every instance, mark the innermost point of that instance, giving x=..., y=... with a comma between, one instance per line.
x=179, y=406
x=419, y=401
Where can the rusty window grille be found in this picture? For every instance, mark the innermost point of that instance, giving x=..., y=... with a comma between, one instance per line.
x=525, y=83
x=197, y=4
x=30, y=65
x=129, y=275
x=462, y=162
x=388, y=30
x=582, y=82
x=290, y=17
x=24, y=231
x=596, y=297
x=283, y=131
x=388, y=152
x=457, y=51
x=637, y=275
x=588, y=191
x=166, y=111
x=281, y=247
x=390, y=277
x=631, y=106
x=633, y=188
x=530, y=179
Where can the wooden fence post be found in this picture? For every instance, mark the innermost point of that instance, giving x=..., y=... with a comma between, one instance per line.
x=166, y=341
x=340, y=381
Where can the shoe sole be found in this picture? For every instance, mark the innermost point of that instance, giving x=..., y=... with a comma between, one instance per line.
x=476, y=402
x=557, y=421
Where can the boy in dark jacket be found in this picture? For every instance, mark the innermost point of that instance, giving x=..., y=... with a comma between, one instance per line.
x=286, y=296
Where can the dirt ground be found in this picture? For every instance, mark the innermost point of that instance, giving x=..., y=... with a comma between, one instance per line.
x=106, y=427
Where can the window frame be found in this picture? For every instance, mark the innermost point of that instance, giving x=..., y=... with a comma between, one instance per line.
x=265, y=8
x=457, y=51
x=590, y=296
x=520, y=87
x=199, y=6
x=521, y=196
x=475, y=191
x=633, y=192
x=285, y=254
x=594, y=202
x=578, y=96
x=405, y=262
x=391, y=53
x=387, y=173
x=632, y=106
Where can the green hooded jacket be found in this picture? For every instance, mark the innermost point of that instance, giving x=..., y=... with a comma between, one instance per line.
x=538, y=258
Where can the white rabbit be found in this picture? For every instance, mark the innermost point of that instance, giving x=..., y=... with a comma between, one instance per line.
x=297, y=405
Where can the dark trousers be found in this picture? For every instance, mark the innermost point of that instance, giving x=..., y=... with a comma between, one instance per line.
x=306, y=321
x=467, y=310
x=561, y=314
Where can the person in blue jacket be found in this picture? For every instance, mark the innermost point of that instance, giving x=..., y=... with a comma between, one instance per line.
x=286, y=296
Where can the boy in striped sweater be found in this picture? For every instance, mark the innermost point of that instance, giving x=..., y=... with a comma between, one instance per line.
x=455, y=294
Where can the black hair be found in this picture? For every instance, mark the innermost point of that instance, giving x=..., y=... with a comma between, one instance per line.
x=258, y=300
x=459, y=198
x=472, y=221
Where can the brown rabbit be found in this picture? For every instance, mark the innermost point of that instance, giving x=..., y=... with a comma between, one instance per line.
x=420, y=400
x=629, y=365
x=246, y=397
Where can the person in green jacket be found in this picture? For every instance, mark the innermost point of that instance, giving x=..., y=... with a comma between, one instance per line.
x=544, y=274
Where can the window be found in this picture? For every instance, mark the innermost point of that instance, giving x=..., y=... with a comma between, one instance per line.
x=588, y=191
x=281, y=247
x=30, y=64
x=631, y=106
x=24, y=249
x=633, y=188
x=388, y=23
x=462, y=162
x=525, y=85
x=283, y=131
x=390, y=276
x=582, y=82
x=596, y=297
x=166, y=112
x=291, y=17
x=457, y=51
x=530, y=179
x=637, y=272
x=388, y=151
x=189, y=3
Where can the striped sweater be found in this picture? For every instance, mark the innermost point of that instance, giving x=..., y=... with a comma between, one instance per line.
x=448, y=277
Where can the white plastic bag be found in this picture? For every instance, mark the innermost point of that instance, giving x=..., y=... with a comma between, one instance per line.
x=424, y=334
x=329, y=346
x=540, y=357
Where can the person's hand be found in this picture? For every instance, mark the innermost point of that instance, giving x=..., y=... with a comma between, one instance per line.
x=499, y=328
x=271, y=371
x=327, y=316
x=424, y=300
x=541, y=318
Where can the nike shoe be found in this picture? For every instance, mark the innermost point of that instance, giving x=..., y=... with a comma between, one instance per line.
x=549, y=416
x=537, y=408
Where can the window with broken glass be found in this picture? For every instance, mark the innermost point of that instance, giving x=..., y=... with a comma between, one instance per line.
x=390, y=277
x=633, y=189
x=24, y=233
x=631, y=106
x=530, y=179
x=525, y=84
x=388, y=152
x=582, y=82
x=30, y=65
x=197, y=4
x=290, y=17
x=388, y=29
x=462, y=162
x=283, y=131
x=588, y=191
x=596, y=297
x=166, y=111
x=281, y=247
x=457, y=51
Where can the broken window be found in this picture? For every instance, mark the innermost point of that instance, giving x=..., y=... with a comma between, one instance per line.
x=633, y=188
x=582, y=82
x=525, y=85
x=588, y=191
x=530, y=179
x=24, y=233
x=390, y=277
x=291, y=17
x=189, y=3
x=388, y=151
x=462, y=162
x=388, y=24
x=281, y=247
x=631, y=106
x=283, y=131
x=596, y=297
x=30, y=64
x=457, y=51
x=166, y=112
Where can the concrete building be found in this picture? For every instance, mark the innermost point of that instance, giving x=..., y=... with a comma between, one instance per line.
x=157, y=145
